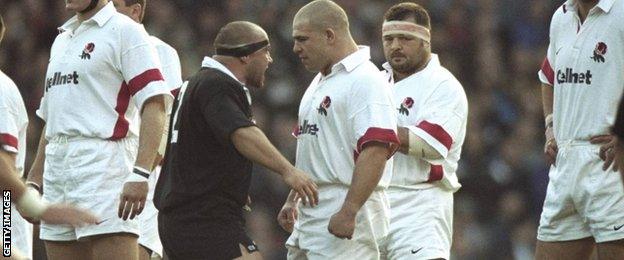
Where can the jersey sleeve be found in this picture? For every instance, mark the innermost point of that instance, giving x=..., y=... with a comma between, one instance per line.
x=140, y=66
x=372, y=115
x=8, y=125
x=443, y=118
x=171, y=69
x=546, y=73
x=224, y=112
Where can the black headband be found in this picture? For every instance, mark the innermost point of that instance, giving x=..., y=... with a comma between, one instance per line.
x=90, y=7
x=243, y=50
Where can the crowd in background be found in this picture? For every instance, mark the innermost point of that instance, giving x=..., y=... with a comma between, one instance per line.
x=494, y=48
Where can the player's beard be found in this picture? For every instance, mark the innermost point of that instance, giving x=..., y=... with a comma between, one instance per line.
x=406, y=67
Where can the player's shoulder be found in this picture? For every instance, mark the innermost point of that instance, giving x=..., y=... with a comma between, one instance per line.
x=367, y=72
x=162, y=46
x=211, y=80
x=445, y=82
x=8, y=89
x=561, y=15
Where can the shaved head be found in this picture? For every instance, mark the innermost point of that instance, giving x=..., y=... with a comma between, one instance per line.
x=323, y=14
x=239, y=33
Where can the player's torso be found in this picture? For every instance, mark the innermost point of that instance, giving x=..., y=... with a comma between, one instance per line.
x=325, y=136
x=20, y=117
x=84, y=89
x=588, y=66
x=410, y=101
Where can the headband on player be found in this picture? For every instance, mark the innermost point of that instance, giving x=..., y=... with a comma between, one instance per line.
x=406, y=28
x=244, y=50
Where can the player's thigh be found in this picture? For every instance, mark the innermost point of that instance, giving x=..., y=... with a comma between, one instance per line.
x=612, y=250
x=115, y=246
x=246, y=255
x=60, y=250
x=144, y=253
x=579, y=249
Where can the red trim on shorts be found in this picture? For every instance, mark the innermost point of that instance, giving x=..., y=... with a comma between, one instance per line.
x=375, y=134
x=435, y=173
x=8, y=139
x=140, y=81
x=437, y=132
x=122, y=124
x=548, y=71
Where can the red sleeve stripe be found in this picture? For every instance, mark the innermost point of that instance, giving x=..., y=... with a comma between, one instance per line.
x=122, y=125
x=375, y=134
x=435, y=173
x=548, y=71
x=140, y=81
x=437, y=132
x=9, y=140
x=175, y=92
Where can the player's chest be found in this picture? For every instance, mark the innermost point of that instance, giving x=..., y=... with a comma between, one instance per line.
x=409, y=102
x=85, y=50
x=326, y=100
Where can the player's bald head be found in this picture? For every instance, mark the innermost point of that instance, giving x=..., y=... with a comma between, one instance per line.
x=323, y=14
x=239, y=33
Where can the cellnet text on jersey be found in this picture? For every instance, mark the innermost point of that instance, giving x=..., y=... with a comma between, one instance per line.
x=61, y=79
x=569, y=76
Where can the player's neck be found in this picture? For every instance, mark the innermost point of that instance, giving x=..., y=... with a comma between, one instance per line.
x=87, y=15
x=346, y=49
x=584, y=7
x=398, y=76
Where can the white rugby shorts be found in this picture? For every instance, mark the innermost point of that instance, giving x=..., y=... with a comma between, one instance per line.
x=90, y=174
x=582, y=200
x=311, y=239
x=421, y=224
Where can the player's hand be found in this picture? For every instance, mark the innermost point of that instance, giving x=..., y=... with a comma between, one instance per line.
x=287, y=216
x=550, y=148
x=342, y=224
x=67, y=214
x=607, y=150
x=303, y=185
x=132, y=199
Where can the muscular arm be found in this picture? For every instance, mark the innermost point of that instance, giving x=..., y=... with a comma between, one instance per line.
x=253, y=144
x=152, y=125
x=8, y=175
x=36, y=170
x=368, y=171
x=547, y=99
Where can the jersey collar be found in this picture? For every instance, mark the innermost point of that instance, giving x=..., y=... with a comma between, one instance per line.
x=353, y=60
x=434, y=62
x=212, y=63
x=101, y=17
x=604, y=5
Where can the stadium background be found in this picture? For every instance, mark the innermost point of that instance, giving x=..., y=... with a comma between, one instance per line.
x=494, y=47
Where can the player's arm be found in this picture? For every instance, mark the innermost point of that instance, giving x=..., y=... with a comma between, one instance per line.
x=251, y=142
x=35, y=175
x=550, y=147
x=368, y=171
x=8, y=175
x=415, y=146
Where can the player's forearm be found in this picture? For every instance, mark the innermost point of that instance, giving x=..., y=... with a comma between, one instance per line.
x=8, y=175
x=368, y=171
x=152, y=125
x=547, y=99
x=36, y=170
x=403, y=134
x=254, y=145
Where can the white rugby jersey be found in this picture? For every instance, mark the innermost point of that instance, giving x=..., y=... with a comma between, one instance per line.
x=338, y=114
x=432, y=104
x=170, y=61
x=13, y=121
x=585, y=64
x=96, y=68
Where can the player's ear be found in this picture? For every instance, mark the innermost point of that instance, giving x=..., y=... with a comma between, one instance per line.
x=136, y=10
x=330, y=35
x=245, y=59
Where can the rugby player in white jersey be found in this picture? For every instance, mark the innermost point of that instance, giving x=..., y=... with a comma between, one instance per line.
x=346, y=133
x=13, y=125
x=582, y=82
x=103, y=70
x=171, y=71
x=432, y=111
